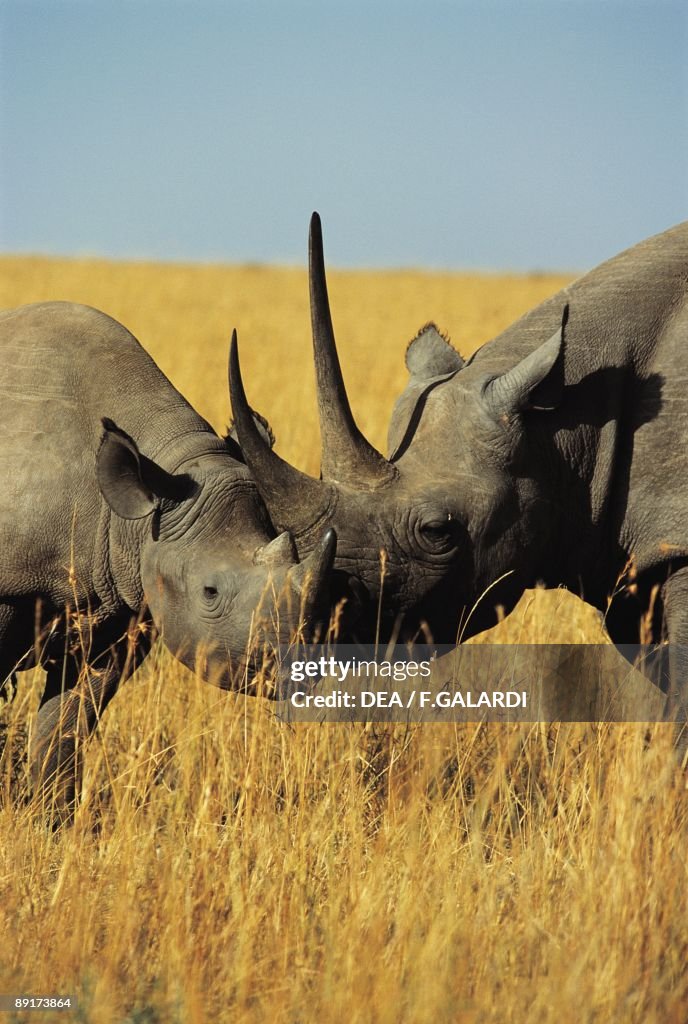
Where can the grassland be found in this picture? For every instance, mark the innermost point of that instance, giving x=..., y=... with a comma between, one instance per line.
x=224, y=867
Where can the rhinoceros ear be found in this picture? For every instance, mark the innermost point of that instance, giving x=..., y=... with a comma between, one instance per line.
x=131, y=484
x=537, y=382
x=430, y=355
x=431, y=360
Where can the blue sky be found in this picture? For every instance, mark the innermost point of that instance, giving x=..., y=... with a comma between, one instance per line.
x=534, y=135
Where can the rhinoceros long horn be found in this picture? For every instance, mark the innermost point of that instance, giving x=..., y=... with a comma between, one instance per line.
x=347, y=457
x=294, y=499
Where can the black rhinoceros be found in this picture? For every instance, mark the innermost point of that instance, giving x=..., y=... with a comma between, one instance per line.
x=557, y=453
x=122, y=515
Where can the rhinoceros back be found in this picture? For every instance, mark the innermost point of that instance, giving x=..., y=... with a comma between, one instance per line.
x=63, y=367
x=626, y=360
x=620, y=313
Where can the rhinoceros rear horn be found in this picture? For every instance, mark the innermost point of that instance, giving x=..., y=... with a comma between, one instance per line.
x=347, y=457
x=537, y=382
x=294, y=499
x=278, y=552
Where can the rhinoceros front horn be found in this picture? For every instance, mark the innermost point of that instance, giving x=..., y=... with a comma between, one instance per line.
x=347, y=457
x=294, y=499
x=310, y=577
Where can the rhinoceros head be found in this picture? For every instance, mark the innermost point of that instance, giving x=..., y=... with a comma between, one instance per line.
x=430, y=529
x=221, y=588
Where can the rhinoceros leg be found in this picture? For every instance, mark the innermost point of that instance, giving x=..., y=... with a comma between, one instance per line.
x=15, y=646
x=675, y=599
x=75, y=697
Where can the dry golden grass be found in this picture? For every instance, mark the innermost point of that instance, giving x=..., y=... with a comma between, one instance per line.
x=224, y=867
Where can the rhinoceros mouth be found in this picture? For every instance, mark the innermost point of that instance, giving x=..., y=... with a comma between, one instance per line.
x=350, y=599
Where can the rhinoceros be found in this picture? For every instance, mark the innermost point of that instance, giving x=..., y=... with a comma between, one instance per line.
x=123, y=515
x=555, y=454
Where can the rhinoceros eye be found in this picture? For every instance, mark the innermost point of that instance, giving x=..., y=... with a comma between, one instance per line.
x=437, y=534
x=435, y=530
x=210, y=592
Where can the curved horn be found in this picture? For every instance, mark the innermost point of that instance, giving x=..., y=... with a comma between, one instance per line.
x=294, y=499
x=347, y=456
x=310, y=578
x=319, y=563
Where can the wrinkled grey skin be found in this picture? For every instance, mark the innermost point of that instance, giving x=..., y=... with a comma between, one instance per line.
x=556, y=454
x=123, y=514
